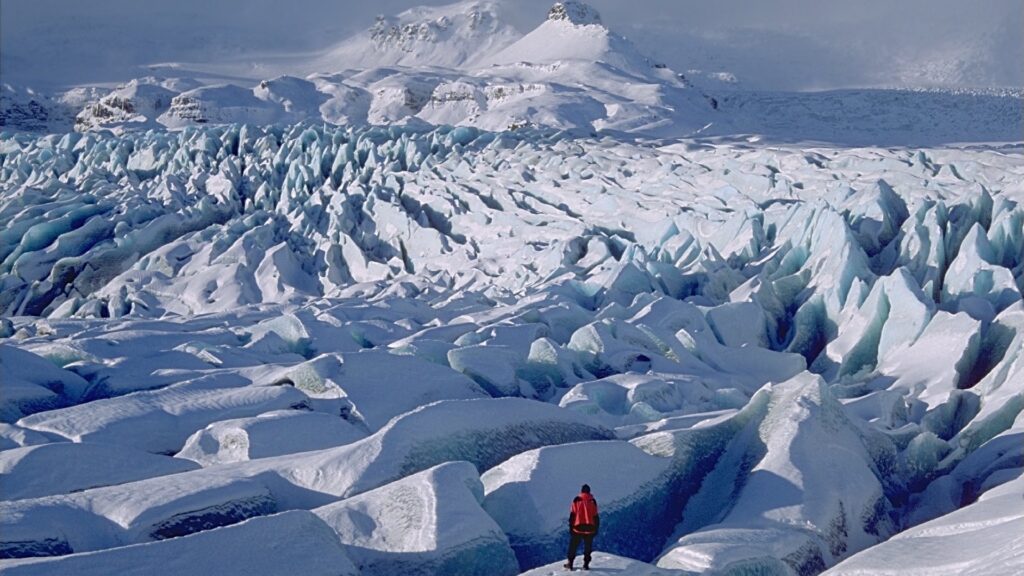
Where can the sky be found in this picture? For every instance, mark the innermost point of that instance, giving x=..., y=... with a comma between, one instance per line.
x=767, y=44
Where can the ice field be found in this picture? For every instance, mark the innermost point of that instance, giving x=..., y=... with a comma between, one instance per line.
x=766, y=357
x=388, y=321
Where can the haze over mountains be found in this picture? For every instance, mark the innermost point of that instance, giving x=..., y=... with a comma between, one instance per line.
x=465, y=64
x=784, y=45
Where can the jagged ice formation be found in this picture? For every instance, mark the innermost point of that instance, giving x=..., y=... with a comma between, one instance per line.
x=262, y=321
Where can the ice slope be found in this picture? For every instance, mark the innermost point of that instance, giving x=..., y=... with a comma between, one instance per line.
x=255, y=546
x=981, y=538
x=483, y=432
x=31, y=384
x=383, y=226
x=160, y=421
x=373, y=385
x=803, y=491
x=427, y=523
x=528, y=495
x=12, y=436
x=268, y=434
x=63, y=467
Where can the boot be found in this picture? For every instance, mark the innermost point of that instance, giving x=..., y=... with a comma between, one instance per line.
x=567, y=566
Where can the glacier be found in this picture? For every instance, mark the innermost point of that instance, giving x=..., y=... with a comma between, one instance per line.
x=386, y=311
x=760, y=359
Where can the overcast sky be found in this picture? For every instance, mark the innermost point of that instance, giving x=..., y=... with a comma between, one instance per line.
x=777, y=44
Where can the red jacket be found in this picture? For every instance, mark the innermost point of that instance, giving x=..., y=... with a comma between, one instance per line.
x=583, y=516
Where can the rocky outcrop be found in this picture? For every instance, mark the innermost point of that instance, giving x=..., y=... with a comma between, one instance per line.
x=574, y=12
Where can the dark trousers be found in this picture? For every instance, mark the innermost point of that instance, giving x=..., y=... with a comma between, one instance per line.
x=574, y=543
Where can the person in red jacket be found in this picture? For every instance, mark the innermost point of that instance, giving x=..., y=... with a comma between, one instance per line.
x=583, y=525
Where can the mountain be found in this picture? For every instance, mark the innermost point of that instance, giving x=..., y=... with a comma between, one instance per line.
x=573, y=31
x=135, y=104
x=457, y=35
x=463, y=64
x=32, y=111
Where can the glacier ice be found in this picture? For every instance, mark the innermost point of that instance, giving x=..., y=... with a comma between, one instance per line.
x=63, y=467
x=605, y=563
x=244, y=548
x=268, y=434
x=426, y=523
x=982, y=538
x=799, y=490
x=759, y=359
x=528, y=496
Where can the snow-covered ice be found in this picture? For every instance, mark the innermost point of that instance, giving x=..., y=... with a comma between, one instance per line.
x=427, y=523
x=292, y=357
x=386, y=315
x=528, y=495
x=604, y=563
x=291, y=541
x=981, y=538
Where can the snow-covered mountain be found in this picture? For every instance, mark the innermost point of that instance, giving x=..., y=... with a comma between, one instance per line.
x=28, y=110
x=136, y=104
x=458, y=35
x=463, y=64
x=573, y=31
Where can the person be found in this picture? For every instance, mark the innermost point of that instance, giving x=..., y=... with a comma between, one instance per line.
x=584, y=523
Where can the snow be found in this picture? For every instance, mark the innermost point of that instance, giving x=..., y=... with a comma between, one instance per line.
x=809, y=492
x=361, y=380
x=293, y=389
x=269, y=434
x=162, y=420
x=529, y=496
x=32, y=384
x=604, y=563
x=426, y=523
x=573, y=31
x=244, y=548
x=387, y=312
x=465, y=64
x=63, y=467
x=981, y=538
x=483, y=432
